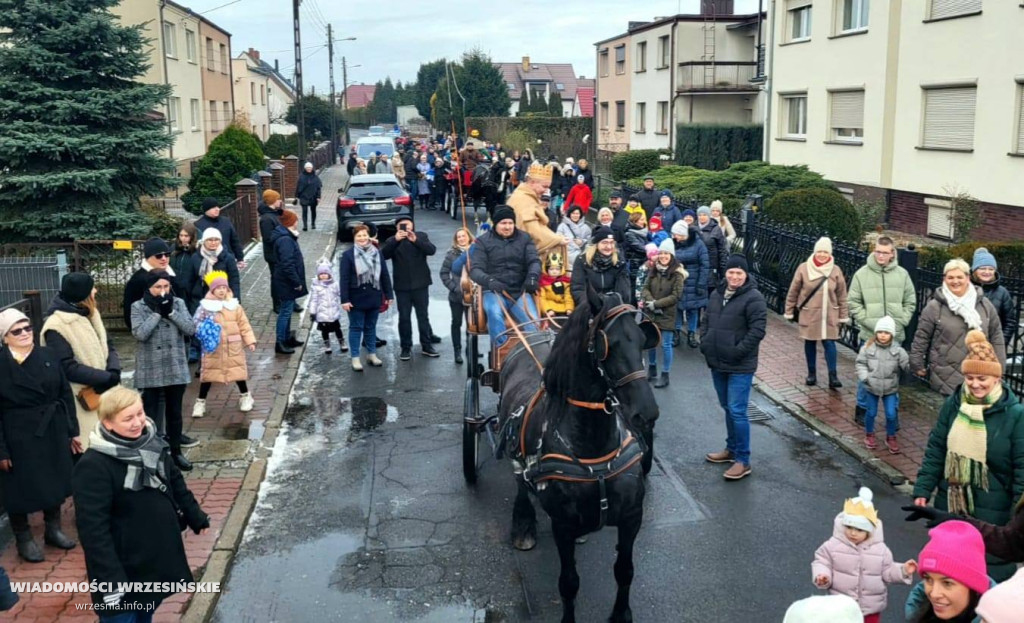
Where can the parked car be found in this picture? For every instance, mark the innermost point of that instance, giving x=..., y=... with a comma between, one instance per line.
x=377, y=199
x=376, y=130
x=367, y=146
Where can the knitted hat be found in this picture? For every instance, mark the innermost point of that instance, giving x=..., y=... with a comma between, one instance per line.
x=602, y=233
x=1003, y=603
x=667, y=246
x=9, y=318
x=502, y=213
x=956, y=549
x=680, y=228
x=150, y=278
x=215, y=279
x=212, y=233
x=155, y=246
x=823, y=244
x=634, y=197
x=652, y=250
x=76, y=287
x=824, y=609
x=654, y=224
x=706, y=211
x=324, y=267
x=404, y=217
x=209, y=203
x=859, y=512
x=270, y=197
x=982, y=257
x=289, y=218
x=737, y=260
x=981, y=357
x=309, y=165
x=716, y=204
x=690, y=213
x=539, y=172
x=887, y=324
x=579, y=179
x=667, y=193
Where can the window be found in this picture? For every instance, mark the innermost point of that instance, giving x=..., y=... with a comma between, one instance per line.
x=1020, y=120
x=620, y=115
x=210, y=61
x=664, y=52
x=254, y=128
x=794, y=109
x=640, y=124
x=193, y=106
x=940, y=218
x=949, y=118
x=224, y=58
x=641, y=56
x=170, y=40
x=602, y=62
x=799, y=15
x=620, y=59
x=604, y=115
x=227, y=118
x=847, y=116
x=537, y=90
x=174, y=112
x=511, y=86
x=941, y=9
x=263, y=95
x=559, y=86
x=854, y=14
x=252, y=89
x=663, y=117
x=214, y=125
x=190, y=45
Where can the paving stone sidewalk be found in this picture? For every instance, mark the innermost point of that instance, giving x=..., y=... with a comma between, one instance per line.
x=780, y=375
x=229, y=462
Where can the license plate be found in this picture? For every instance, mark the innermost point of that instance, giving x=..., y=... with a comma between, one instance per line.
x=376, y=207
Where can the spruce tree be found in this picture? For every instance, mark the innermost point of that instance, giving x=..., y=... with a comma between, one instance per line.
x=555, y=105
x=524, y=102
x=79, y=145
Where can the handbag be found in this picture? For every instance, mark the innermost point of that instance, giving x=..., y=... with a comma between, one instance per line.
x=88, y=399
x=796, y=312
x=384, y=303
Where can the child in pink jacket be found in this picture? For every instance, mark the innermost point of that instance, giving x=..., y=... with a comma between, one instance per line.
x=856, y=562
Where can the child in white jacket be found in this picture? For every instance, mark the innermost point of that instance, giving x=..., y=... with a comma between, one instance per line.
x=325, y=305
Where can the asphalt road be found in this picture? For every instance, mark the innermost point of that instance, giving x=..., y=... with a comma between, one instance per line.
x=364, y=515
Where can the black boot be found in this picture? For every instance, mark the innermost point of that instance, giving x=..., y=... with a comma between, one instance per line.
x=676, y=338
x=28, y=549
x=458, y=354
x=652, y=373
x=183, y=464
x=282, y=348
x=52, y=535
x=812, y=378
x=858, y=415
x=833, y=380
x=662, y=380
x=293, y=341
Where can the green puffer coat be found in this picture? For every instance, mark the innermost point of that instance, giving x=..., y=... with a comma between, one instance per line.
x=877, y=291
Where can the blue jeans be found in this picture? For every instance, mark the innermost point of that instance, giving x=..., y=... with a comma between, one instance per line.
x=890, y=403
x=734, y=395
x=128, y=617
x=362, y=330
x=811, y=353
x=864, y=398
x=692, y=319
x=666, y=349
x=284, y=319
x=523, y=311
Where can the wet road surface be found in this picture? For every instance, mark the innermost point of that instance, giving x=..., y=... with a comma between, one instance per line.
x=364, y=514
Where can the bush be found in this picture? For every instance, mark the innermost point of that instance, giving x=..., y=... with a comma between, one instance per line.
x=736, y=182
x=635, y=163
x=281, y=145
x=233, y=155
x=717, y=146
x=818, y=208
x=162, y=224
x=517, y=139
x=1010, y=256
x=871, y=214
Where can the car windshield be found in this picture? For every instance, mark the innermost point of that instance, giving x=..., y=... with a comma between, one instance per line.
x=376, y=130
x=373, y=190
x=365, y=150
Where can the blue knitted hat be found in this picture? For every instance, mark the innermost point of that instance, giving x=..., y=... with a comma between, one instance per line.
x=982, y=257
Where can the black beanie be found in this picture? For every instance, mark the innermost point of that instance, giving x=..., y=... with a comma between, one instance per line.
x=153, y=276
x=602, y=233
x=154, y=246
x=76, y=287
x=210, y=202
x=503, y=212
x=737, y=260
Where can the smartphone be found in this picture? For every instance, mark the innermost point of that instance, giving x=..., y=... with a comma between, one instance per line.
x=403, y=227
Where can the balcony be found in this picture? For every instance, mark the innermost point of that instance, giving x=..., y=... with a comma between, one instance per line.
x=716, y=76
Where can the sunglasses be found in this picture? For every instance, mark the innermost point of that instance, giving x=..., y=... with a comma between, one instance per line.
x=20, y=330
x=162, y=256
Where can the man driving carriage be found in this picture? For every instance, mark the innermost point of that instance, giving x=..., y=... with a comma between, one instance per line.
x=530, y=214
x=505, y=264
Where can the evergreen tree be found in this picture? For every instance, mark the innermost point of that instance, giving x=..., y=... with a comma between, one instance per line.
x=524, y=102
x=79, y=143
x=316, y=112
x=427, y=77
x=235, y=153
x=539, y=105
x=383, y=105
x=555, y=105
x=483, y=86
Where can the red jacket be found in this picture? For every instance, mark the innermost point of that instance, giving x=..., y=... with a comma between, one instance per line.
x=579, y=195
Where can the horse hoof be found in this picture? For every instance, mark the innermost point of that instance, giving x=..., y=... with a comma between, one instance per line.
x=622, y=617
x=524, y=543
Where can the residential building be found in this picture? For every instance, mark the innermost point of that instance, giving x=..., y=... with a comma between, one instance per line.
x=218, y=107
x=262, y=95
x=544, y=80
x=884, y=99
x=613, y=94
x=357, y=95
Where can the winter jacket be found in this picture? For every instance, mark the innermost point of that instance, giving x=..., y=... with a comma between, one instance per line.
x=79, y=342
x=351, y=164
x=939, y=346
x=398, y=168
x=877, y=291
x=1001, y=299
x=510, y=262
x=227, y=231
x=634, y=247
x=735, y=327
x=664, y=289
x=580, y=195
x=132, y=536
x=364, y=297
x=136, y=287
x=451, y=278
x=324, y=303
x=289, y=279
x=918, y=606
x=574, y=231
x=1004, y=427
x=718, y=248
x=693, y=255
x=37, y=420
x=409, y=268
x=650, y=200
x=161, y=359
x=1006, y=542
x=269, y=220
x=879, y=366
x=227, y=363
x=309, y=188
x=588, y=176
x=226, y=263
x=815, y=322
x=181, y=264
x=613, y=279
x=858, y=571
x=669, y=216
x=620, y=222
x=554, y=296
x=530, y=217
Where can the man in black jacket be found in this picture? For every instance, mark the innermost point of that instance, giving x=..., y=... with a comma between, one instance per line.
x=157, y=256
x=412, y=174
x=620, y=220
x=211, y=218
x=408, y=251
x=736, y=320
x=649, y=197
x=270, y=217
x=308, y=190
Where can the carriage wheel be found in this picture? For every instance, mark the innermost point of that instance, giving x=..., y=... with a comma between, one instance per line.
x=470, y=431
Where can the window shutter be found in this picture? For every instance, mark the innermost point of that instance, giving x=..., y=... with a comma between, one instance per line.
x=949, y=118
x=939, y=223
x=796, y=4
x=949, y=8
x=1020, y=122
x=848, y=109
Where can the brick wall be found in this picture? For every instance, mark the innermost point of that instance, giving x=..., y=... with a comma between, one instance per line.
x=908, y=213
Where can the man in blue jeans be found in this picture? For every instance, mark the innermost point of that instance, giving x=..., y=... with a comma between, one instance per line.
x=736, y=320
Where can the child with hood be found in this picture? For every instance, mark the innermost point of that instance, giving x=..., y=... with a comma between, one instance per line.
x=325, y=305
x=856, y=562
x=656, y=230
x=223, y=349
x=576, y=230
x=985, y=273
x=878, y=367
x=580, y=195
x=644, y=271
x=554, y=295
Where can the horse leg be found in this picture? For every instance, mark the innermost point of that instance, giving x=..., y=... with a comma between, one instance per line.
x=648, y=460
x=524, y=519
x=568, y=579
x=628, y=530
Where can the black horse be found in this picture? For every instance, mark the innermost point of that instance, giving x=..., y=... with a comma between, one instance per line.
x=483, y=188
x=571, y=434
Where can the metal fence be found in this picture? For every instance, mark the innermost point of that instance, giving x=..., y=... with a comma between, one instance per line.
x=40, y=273
x=242, y=214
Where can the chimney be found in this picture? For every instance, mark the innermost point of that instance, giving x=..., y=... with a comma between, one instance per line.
x=276, y=68
x=717, y=7
x=255, y=54
x=526, y=63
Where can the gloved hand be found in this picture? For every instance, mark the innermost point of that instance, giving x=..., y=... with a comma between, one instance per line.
x=497, y=287
x=649, y=305
x=166, y=305
x=531, y=285
x=933, y=515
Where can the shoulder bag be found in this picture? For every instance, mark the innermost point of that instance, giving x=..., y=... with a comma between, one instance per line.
x=796, y=312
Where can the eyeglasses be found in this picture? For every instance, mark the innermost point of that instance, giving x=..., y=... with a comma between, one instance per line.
x=20, y=330
x=162, y=256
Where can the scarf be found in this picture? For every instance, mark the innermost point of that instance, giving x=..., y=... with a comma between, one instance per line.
x=602, y=262
x=143, y=456
x=967, y=450
x=209, y=259
x=367, y=266
x=964, y=306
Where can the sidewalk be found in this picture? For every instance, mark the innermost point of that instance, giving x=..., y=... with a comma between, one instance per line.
x=780, y=376
x=229, y=462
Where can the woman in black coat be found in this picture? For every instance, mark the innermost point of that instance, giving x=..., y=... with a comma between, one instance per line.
x=38, y=433
x=212, y=255
x=128, y=497
x=601, y=267
x=288, y=282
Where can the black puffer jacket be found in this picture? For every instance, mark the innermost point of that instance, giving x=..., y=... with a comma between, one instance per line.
x=510, y=261
x=1001, y=299
x=309, y=188
x=613, y=279
x=409, y=268
x=269, y=220
x=732, y=336
x=718, y=250
x=229, y=237
x=452, y=281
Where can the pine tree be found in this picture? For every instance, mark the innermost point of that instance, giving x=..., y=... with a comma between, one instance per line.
x=555, y=105
x=79, y=144
x=427, y=78
x=483, y=86
x=524, y=102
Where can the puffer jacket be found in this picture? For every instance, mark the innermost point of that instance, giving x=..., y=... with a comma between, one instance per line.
x=877, y=291
x=308, y=188
x=634, y=244
x=554, y=296
x=669, y=215
x=324, y=296
x=939, y=345
x=918, y=605
x=511, y=261
x=452, y=280
x=718, y=248
x=574, y=231
x=879, y=366
x=289, y=279
x=693, y=255
x=227, y=363
x=269, y=220
x=1001, y=299
x=614, y=279
x=858, y=571
x=815, y=322
x=664, y=289
x=732, y=336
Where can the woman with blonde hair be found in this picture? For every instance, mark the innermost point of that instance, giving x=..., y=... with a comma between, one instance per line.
x=452, y=280
x=718, y=214
x=601, y=267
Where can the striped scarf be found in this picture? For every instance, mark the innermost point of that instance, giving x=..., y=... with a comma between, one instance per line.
x=143, y=456
x=967, y=450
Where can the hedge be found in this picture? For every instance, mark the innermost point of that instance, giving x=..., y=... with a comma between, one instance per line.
x=1009, y=255
x=820, y=208
x=635, y=163
x=561, y=136
x=716, y=146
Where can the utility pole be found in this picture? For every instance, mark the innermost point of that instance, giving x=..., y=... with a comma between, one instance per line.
x=334, y=104
x=344, y=99
x=298, y=81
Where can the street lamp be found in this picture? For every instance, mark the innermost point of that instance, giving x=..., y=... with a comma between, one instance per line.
x=334, y=114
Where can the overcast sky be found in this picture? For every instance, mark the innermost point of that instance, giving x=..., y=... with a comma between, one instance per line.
x=395, y=36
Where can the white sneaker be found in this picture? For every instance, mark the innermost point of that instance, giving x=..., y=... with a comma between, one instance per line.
x=357, y=364
x=199, y=410
x=245, y=402
x=374, y=360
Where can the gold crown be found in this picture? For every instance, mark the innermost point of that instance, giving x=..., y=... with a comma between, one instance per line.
x=854, y=506
x=540, y=172
x=555, y=259
x=215, y=274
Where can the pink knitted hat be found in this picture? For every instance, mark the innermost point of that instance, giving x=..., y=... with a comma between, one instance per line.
x=1004, y=603
x=956, y=550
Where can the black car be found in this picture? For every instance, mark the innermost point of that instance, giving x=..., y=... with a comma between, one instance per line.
x=377, y=199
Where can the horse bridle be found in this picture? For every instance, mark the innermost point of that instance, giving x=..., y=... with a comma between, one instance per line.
x=600, y=354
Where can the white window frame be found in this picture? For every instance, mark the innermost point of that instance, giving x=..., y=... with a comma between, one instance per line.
x=788, y=101
x=620, y=64
x=603, y=111
x=664, y=52
x=803, y=16
x=851, y=134
x=174, y=113
x=1019, y=150
x=927, y=142
x=856, y=12
x=640, y=118
x=946, y=9
x=603, y=59
x=170, y=40
x=214, y=125
x=620, y=126
x=195, y=111
x=663, y=115
x=224, y=54
x=640, y=62
x=190, y=45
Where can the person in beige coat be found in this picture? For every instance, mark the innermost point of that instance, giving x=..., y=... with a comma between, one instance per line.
x=226, y=364
x=530, y=214
x=817, y=301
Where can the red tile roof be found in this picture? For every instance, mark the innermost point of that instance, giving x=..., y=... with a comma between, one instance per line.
x=360, y=95
x=586, y=95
